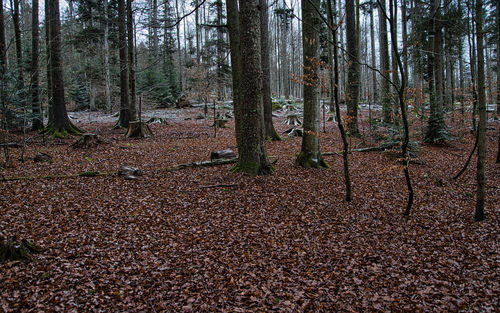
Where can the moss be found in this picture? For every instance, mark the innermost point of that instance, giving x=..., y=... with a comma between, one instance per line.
x=306, y=160
x=89, y=174
x=61, y=132
x=11, y=249
x=252, y=168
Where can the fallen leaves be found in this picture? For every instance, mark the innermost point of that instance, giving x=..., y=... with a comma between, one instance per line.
x=285, y=242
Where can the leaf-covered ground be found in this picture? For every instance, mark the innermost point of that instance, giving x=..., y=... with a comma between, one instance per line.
x=285, y=242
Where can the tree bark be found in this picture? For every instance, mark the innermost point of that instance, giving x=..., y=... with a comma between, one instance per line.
x=384, y=63
x=374, y=64
x=353, y=69
x=107, y=79
x=61, y=125
x=335, y=92
x=481, y=143
x=131, y=61
x=253, y=158
x=19, y=46
x=310, y=155
x=37, y=120
x=271, y=132
x=122, y=49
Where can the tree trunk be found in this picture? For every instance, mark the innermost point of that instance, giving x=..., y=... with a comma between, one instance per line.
x=374, y=64
x=335, y=92
x=131, y=61
x=178, y=33
x=481, y=143
x=3, y=80
x=61, y=125
x=107, y=79
x=384, y=64
x=122, y=49
x=37, y=120
x=49, y=77
x=310, y=155
x=19, y=47
x=233, y=25
x=197, y=21
x=353, y=69
x=436, y=128
x=497, y=22
x=154, y=25
x=271, y=133
x=253, y=158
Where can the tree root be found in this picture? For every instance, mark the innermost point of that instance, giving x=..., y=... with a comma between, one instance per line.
x=12, y=250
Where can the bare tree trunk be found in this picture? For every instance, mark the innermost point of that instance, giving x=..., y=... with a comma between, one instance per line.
x=107, y=79
x=353, y=70
x=335, y=92
x=122, y=46
x=154, y=25
x=253, y=158
x=374, y=64
x=384, y=63
x=19, y=45
x=197, y=21
x=179, y=56
x=61, y=125
x=37, y=120
x=220, y=52
x=131, y=61
x=310, y=155
x=270, y=132
x=3, y=93
x=481, y=143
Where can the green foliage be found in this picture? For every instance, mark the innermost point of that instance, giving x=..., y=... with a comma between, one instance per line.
x=436, y=131
x=154, y=84
x=80, y=94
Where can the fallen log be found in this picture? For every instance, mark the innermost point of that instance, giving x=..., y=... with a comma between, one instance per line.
x=203, y=164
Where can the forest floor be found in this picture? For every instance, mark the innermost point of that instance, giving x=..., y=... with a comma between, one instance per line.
x=284, y=242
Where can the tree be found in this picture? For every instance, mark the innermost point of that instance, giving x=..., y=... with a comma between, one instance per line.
x=436, y=127
x=481, y=129
x=249, y=116
x=384, y=63
x=353, y=68
x=60, y=125
x=131, y=60
x=19, y=46
x=335, y=92
x=310, y=155
x=271, y=132
x=37, y=121
x=3, y=81
x=124, y=118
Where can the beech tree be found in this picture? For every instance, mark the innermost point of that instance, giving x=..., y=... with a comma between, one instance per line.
x=353, y=68
x=249, y=116
x=36, y=121
x=124, y=118
x=385, y=96
x=310, y=154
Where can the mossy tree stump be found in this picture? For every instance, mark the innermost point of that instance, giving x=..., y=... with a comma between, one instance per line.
x=138, y=129
x=88, y=140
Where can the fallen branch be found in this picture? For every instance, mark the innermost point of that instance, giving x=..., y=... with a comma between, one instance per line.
x=203, y=164
x=219, y=185
x=82, y=174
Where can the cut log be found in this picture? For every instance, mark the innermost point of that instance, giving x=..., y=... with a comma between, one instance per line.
x=222, y=154
x=129, y=172
x=138, y=130
x=43, y=157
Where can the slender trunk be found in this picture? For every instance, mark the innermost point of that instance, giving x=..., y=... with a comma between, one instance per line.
x=335, y=92
x=131, y=61
x=353, y=71
x=178, y=33
x=394, y=61
x=270, y=132
x=107, y=90
x=19, y=46
x=49, y=75
x=481, y=143
x=197, y=21
x=37, y=120
x=384, y=64
x=3, y=93
x=154, y=25
x=122, y=46
x=374, y=64
x=220, y=52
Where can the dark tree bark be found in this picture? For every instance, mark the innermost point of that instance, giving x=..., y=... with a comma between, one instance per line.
x=373, y=57
x=60, y=125
x=253, y=158
x=19, y=45
x=220, y=52
x=384, y=63
x=3, y=72
x=122, y=49
x=353, y=68
x=49, y=74
x=271, y=132
x=345, y=152
x=497, y=21
x=436, y=128
x=310, y=155
x=131, y=61
x=481, y=142
x=37, y=121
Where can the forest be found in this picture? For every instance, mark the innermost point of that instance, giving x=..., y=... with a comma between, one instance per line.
x=250, y=155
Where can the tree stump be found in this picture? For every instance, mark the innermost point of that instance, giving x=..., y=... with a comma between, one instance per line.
x=138, y=130
x=220, y=123
x=293, y=119
x=88, y=140
x=43, y=157
x=129, y=172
